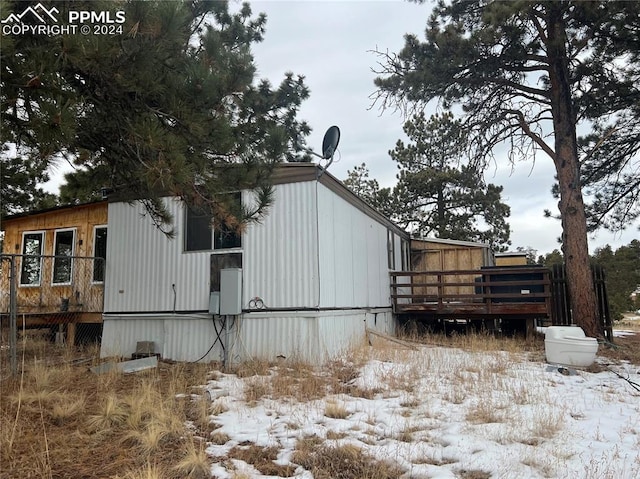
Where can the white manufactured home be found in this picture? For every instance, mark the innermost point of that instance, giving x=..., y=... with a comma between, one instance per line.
x=312, y=276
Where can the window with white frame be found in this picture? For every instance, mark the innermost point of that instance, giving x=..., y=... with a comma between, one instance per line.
x=99, y=252
x=32, y=246
x=62, y=262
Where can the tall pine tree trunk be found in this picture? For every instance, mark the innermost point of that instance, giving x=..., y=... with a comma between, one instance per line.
x=442, y=226
x=572, y=212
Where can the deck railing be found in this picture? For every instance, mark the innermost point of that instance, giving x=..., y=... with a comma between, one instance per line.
x=517, y=291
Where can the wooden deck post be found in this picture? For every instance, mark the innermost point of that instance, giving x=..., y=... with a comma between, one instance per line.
x=71, y=334
x=530, y=328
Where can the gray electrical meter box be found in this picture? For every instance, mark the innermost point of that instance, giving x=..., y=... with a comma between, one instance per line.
x=231, y=291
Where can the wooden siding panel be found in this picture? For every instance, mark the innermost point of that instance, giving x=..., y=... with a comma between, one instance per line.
x=511, y=260
x=82, y=294
x=438, y=256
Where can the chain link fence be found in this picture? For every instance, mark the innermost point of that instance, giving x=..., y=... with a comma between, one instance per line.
x=55, y=300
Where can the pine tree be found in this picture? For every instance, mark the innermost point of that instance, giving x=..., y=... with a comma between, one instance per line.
x=368, y=189
x=622, y=275
x=551, y=259
x=440, y=192
x=521, y=70
x=170, y=106
x=19, y=185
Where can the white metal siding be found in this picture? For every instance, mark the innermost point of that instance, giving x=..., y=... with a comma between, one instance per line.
x=313, y=249
x=269, y=335
x=280, y=258
x=181, y=338
x=119, y=336
x=312, y=337
x=146, y=270
x=353, y=255
x=189, y=339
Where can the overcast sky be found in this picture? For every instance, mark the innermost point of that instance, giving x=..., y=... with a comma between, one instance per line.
x=331, y=44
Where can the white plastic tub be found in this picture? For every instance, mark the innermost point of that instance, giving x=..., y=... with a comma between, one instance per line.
x=568, y=346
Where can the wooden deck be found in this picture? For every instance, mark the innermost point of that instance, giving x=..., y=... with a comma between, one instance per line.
x=507, y=293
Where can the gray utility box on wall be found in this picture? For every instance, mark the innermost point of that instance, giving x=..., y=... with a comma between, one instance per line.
x=214, y=302
x=231, y=291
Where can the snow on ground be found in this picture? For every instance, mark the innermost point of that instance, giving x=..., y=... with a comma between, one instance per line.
x=436, y=412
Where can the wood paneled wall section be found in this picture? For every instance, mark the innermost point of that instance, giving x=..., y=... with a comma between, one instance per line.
x=83, y=218
x=515, y=260
x=427, y=256
x=82, y=294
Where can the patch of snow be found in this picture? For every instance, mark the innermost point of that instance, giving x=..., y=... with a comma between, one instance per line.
x=618, y=333
x=436, y=411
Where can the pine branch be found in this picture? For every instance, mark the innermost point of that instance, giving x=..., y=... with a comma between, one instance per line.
x=527, y=130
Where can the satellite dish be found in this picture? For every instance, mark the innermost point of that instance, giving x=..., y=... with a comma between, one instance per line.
x=329, y=145
x=330, y=142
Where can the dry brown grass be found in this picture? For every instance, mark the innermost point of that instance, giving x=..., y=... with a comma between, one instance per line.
x=624, y=348
x=472, y=474
x=334, y=435
x=59, y=420
x=262, y=458
x=199, y=411
x=546, y=422
x=240, y=475
x=148, y=471
x=252, y=368
x=485, y=410
x=477, y=341
x=335, y=410
x=256, y=388
x=65, y=413
x=219, y=438
x=297, y=380
x=110, y=412
x=341, y=462
x=457, y=393
x=628, y=322
x=195, y=463
x=406, y=435
x=433, y=460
